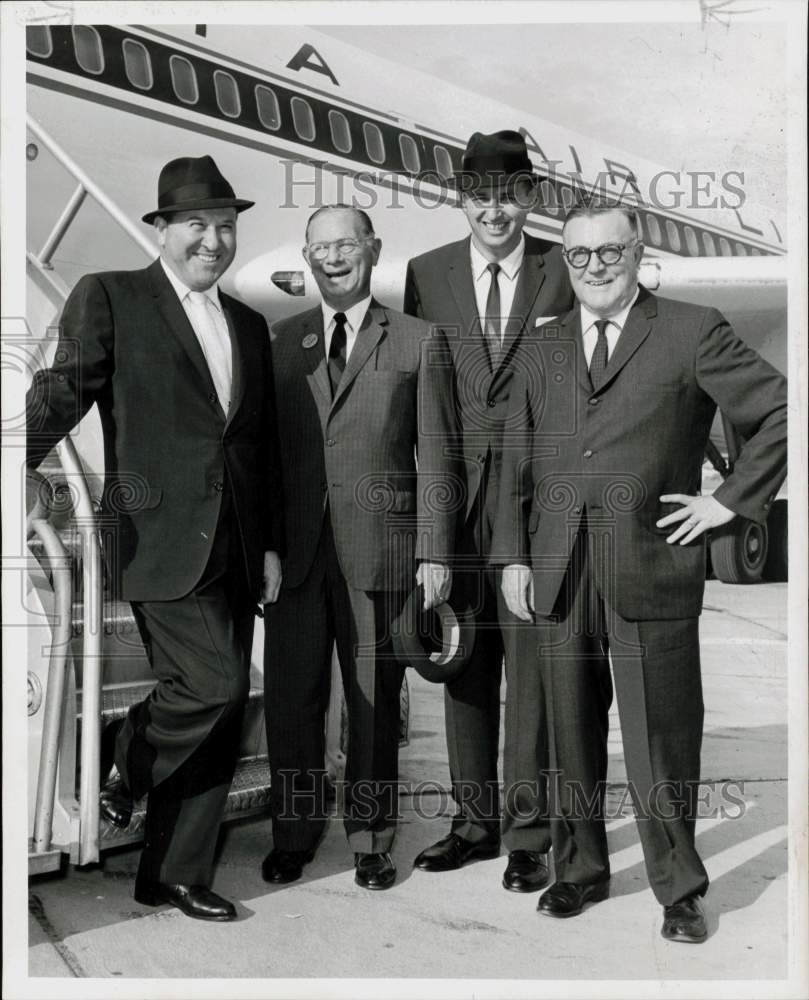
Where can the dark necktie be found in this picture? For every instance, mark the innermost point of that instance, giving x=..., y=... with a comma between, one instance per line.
x=598, y=362
x=491, y=323
x=337, y=351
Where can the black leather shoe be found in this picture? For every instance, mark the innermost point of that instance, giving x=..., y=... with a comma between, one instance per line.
x=282, y=866
x=526, y=871
x=567, y=899
x=374, y=871
x=684, y=921
x=452, y=852
x=195, y=901
x=115, y=803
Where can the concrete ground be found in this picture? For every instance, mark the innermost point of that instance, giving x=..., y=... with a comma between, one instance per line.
x=461, y=927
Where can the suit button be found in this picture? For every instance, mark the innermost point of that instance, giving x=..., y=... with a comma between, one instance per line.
x=331, y=442
x=491, y=402
x=218, y=486
x=593, y=401
x=588, y=453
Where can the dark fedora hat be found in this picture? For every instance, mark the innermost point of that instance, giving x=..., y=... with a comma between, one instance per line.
x=438, y=642
x=495, y=160
x=193, y=182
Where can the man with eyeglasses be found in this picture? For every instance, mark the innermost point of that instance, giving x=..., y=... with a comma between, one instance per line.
x=601, y=531
x=485, y=292
x=365, y=397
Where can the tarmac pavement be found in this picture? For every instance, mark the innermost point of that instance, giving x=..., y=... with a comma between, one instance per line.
x=461, y=930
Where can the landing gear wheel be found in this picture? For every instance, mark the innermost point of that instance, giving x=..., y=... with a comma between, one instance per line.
x=739, y=552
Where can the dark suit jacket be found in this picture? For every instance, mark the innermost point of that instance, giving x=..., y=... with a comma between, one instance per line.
x=358, y=452
x=125, y=343
x=640, y=436
x=439, y=288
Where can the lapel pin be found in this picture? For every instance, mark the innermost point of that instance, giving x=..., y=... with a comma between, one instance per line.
x=309, y=341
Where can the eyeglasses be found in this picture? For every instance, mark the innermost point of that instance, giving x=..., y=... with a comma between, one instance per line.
x=346, y=247
x=607, y=253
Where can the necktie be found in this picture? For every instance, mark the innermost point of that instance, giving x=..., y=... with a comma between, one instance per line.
x=492, y=319
x=215, y=346
x=337, y=351
x=598, y=362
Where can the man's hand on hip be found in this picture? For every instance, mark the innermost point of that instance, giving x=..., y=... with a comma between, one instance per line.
x=517, y=586
x=436, y=579
x=697, y=515
x=272, y=578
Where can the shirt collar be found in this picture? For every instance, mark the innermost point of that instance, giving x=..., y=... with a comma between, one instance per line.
x=183, y=290
x=619, y=319
x=510, y=265
x=354, y=315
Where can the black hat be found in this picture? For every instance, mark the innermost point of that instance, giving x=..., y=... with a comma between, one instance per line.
x=495, y=160
x=438, y=642
x=193, y=182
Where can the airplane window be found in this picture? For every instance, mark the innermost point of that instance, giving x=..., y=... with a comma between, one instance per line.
x=410, y=153
x=443, y=162
x=38, y=40
x=87, y=43
x=269, y=114
x=673, y=234
x=303, y=119
x=340, y=131
x=184, y=80
x=227, y=94
x=374, y=143
x=741, y=249
x=547, y=198
x=755, y=252
x=724, y=246
x=691, y=241
x=653, y=229
x=137, y=64
x=708, y=245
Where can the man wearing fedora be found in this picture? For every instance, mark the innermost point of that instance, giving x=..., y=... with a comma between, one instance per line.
x=181, y=375
x=365, y=398
x=484, y=292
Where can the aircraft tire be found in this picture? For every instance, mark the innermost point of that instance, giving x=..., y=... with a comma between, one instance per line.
x=739, y=552
x=776, y=566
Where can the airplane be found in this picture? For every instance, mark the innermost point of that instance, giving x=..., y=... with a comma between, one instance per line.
x=296, y=119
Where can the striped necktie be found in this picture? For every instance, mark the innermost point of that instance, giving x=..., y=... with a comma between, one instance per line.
x=215, y=346
x=598, y=362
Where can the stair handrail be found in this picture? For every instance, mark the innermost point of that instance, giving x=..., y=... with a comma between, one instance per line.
x=91, y=188
x=92, y=631
x=62, y=577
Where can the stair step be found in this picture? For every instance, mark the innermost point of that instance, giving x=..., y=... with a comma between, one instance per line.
x=249, y=795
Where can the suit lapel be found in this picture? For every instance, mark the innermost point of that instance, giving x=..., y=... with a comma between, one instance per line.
x=572, y=326
x=313, y=358
x=636, y=330
x=175, y=318
x=529, y=282
x=459, y=277
x=239, y=351
x=368, y=336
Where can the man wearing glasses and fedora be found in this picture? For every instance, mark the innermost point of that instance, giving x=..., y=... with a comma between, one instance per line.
x=485, y=292
x=364, y=393
x=601, y=531
x=181, y=375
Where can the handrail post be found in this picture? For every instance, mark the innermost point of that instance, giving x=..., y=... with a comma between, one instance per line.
x=92, y=585
x=55, y=694
x=62, y=225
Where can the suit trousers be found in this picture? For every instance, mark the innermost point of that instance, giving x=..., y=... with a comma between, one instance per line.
x=180, y=744
x=302, y=627
x=472, y=708
x=657, y=677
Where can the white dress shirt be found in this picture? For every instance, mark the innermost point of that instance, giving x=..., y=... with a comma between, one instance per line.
x=354, y=317
x=506, y=280
x=212, y=333
x=615, y=325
